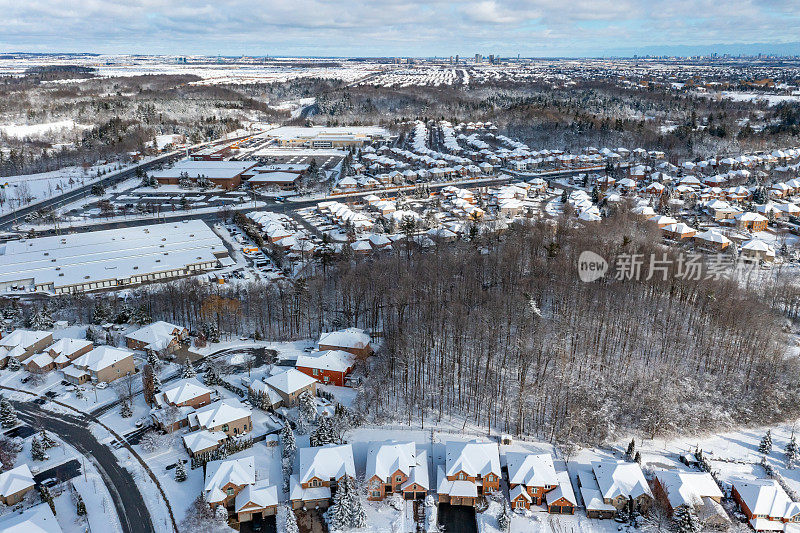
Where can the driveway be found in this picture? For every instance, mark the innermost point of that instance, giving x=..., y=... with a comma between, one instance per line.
x=457, y=518
x=62, y=472
x=268, y=525
x=131, y=509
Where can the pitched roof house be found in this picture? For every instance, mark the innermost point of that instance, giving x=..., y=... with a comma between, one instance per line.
x=228, y=416
x=226, y=478
x=329, y=367
x=765, y=503
x=23, y=343
x=353, y=340
x=185, y=392
x=64, y=351
x=395, y=467
x=157, y=336
x=15, y=483
x=36, y=519
x=534, y=472
x=471, y=469
x=319, y=469
x=698, y=490
x=622, y=482
x=103, y=363
x=291, y=384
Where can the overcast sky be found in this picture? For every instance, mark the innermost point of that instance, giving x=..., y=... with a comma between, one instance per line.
x=398, y=27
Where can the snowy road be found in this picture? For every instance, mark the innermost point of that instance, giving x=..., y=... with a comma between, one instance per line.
x=131, y=509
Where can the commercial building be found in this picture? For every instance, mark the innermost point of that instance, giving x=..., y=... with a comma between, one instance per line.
x=109, y=259
x=225, y=174
x=328, y=137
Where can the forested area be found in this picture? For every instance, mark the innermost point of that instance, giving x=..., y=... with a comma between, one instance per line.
x=499, y=331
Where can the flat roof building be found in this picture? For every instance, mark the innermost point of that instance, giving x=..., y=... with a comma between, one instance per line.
x=108, y=259
x=225, y=174
x=328, y=137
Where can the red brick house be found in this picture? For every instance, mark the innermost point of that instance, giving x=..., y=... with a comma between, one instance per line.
x=353, y=340
x=471, y=470
x=330, y=367
x=396, y=468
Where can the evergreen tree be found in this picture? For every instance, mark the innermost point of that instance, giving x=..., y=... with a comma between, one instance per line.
x=13, y=364
x=37, y=450
x=100, y=313
x=290, y=521
x=8, y=415
x=631, y=451
x=337, y=513
x=358, y=515
x=156, y=383
x=766, y=444
x=188, y=370
x=41, y=319
x=638, y=457
x=47, y=440
x=324, y=433
x=307, y=407
x=180, y=472
x=80, y=507
x=686, y=520
x=503, y=520
x=125, y=410
x=791, y=452
x=211, y=376
x=287, y=438
x=153, y=360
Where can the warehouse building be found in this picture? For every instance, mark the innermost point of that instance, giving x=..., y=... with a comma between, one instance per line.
x=109, y=259
x=328, y=137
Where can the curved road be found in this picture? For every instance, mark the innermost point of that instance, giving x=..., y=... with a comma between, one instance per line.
x=131, y=509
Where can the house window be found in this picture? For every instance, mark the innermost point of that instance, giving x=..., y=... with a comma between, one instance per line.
x=315, y=371
x=399, y=479
x=376, y=494
x=462, y=476
x=314, y=483
x=230, y=492
x=224, y=427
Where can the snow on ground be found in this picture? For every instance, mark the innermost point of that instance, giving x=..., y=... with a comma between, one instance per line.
x=21, y=131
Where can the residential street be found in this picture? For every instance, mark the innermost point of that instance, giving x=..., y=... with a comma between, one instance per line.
x=131, y=509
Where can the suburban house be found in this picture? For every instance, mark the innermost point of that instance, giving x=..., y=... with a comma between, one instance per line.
x=15, y=483
x=331, y=367
x=291, y=384
x=36, y=519
x=530, y=476
x=471, y=470
x=232, y=484
x=185, y=393
x=353, y=340
x=396, y=468
x=319, y=472
x=23, y=343
x=40, y=362
x=622, y=484
x=101, y=364
x=757, y=250
x=765, y=504
x=691, y=489
x=64, y=351
x=158, y=336
x=561, y=500
x=202, y=441
x=228, y=416
x=267, y=397
x=592, y=498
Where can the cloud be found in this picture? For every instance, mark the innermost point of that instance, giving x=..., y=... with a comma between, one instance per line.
x=389, y=27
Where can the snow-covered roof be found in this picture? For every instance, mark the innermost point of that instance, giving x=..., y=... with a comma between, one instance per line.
x=68, y=346
x=620, y=478
x=37, y=519
x=473, y=458
x=766, y=497
x=184, y=390
x=531, y=469
x=259, y=386
x=713, y=236
x=157, y=335
x=297, y=492
x=326, y=462
x=23, y=338
x=386, y=458
x=687, y=488
x=335, y=360
x=101, y=357
x=563, y=489
x=290, y=381
x=518, y=491
x=118, y=254
x=202, y=439
x=458, y=488
x=222, y=412
x=14, y=480
x=345, y=338
x=74, y=372
x=219, y=473
x=259, y=495
x=40, y=359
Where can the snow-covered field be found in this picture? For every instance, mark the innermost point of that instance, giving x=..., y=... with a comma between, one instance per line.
x=22, y=131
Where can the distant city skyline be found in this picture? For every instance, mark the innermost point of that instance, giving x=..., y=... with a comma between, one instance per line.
x=358, y=28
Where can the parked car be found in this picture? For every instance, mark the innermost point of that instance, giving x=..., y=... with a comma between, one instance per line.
x=102, y=385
